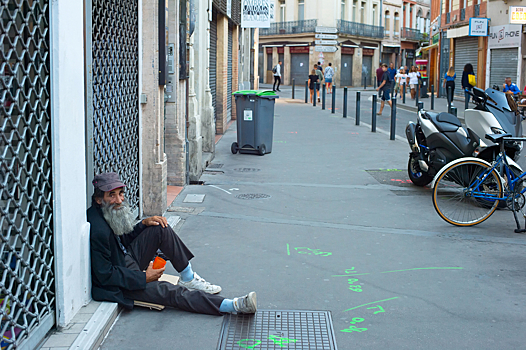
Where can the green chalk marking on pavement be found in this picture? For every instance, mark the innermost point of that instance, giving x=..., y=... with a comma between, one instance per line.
x=288, y=249
x=246, y=346
x=427, y=268
x=374, y=302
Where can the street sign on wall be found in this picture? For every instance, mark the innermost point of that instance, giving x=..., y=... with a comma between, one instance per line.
x=508, y=35
x=326, y=30
x=517, y=15
x=326, y=42
x=326, y=36
x=325, y=48
x=478, y=26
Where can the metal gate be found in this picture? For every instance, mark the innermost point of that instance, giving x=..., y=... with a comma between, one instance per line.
x=229, y=76
x=27, y=297
x=213, y=61
x=444, y=61
x=466, y=51
x=299, y=68
x=281, y=58
x=504, y=63
x=113, y=91
x=261, y=63
x=346, y=71
x=367, y=69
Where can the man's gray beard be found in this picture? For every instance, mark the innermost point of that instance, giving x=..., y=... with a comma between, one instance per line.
x=120, y=220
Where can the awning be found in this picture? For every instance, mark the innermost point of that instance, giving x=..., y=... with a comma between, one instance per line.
x=425, y=48
x=391, y=45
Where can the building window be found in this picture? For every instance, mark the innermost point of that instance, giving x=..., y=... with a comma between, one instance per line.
x=387, y=21
x=396, y=25
x=343, y=10
x=301, y=10
x=374, y=14
x=282, y=17
x=362, y=12
x=354, y=9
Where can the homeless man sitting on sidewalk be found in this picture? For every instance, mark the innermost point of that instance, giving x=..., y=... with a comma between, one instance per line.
x=121, y=255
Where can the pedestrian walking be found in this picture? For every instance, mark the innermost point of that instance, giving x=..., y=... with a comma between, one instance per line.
x=392, y=73
x=277, y=77
x=412, y=79
x=384, y=88
x=449, y=84
x=319, y=73
x=313, y=79
x=468, y=79
x=400, y=79
x=379, y=75
x=329, y=73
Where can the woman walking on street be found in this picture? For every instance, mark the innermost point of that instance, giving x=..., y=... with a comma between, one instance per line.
x=400, y=79
x=468, y=79
x=449, y=84
x=313, y=79
x=412, y=78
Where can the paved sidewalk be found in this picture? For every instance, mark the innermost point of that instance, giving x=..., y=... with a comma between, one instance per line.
x=335, y=187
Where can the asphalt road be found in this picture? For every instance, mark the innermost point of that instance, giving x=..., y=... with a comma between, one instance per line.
x=337, y=188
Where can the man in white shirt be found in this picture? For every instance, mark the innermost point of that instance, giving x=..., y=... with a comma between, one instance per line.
x=277, y=77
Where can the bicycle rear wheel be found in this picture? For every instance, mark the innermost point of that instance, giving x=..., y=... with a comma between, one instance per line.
x=460, y=204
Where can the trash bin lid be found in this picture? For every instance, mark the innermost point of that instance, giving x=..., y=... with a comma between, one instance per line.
x=245, y=92
x=267, y=94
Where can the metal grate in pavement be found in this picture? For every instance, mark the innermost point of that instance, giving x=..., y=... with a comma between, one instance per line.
x=278, y=329
x=246, y=170
x=249, y=196
x=214, y=166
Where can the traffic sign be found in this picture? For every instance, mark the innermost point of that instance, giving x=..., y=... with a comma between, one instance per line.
x=325, y=48
x=326, y=42
x=320, y=29
x=326, y=36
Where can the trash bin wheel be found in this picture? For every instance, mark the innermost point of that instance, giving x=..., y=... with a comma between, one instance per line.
x=234, y=148
x=262, y=150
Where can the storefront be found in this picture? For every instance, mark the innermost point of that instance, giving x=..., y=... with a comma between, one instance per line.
x=299, y=63
x=390, y=53
x=504, y=45
x=466, y=51
x=346, y=66
x=367, y=66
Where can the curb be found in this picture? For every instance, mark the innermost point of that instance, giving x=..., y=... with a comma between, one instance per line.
x=97, y=327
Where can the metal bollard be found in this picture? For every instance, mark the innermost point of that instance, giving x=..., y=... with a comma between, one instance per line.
x=323, y=97
x=315, y=94
x=307, y=91
x=449, y=99
x=373, y=120
x=432, y=97
x=417, y=93
x=466, y=103
x=358, y=107
x=345, y=102
x=293, y=88
x=393, y=119
x=333, y=99
x=454, y=111
x=420, y=106
x=365, y=82
x=403, y=98
x=374, y=84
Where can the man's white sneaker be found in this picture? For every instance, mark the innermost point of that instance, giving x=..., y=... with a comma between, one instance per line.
x=247, y=304
x=199, y=283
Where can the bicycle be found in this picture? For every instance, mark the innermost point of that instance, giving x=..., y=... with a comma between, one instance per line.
x=467, y=191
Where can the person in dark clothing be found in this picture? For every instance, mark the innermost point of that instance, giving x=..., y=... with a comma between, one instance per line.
x=313, y=80
x=468, y=70
x=379, y=75
x=121, y=259
x=449, y=84
x=277, y=77
x=392, y=72
x=385, y=88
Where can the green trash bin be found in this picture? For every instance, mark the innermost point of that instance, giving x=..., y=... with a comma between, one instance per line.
x=255, y=121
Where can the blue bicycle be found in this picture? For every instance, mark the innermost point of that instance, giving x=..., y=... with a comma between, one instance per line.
x=468, y=190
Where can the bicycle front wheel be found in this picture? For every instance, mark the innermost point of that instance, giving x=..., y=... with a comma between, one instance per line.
x=467, y=193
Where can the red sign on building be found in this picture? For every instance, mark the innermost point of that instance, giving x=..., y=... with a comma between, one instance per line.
x=347, y=50
x=299, y=49
x=368, y=52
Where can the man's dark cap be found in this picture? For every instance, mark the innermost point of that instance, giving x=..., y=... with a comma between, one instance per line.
x=107, y=182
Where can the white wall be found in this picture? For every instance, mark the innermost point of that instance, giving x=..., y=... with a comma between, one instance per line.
x=71, y=230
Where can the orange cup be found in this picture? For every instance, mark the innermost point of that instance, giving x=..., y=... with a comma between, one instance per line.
x=158, y=263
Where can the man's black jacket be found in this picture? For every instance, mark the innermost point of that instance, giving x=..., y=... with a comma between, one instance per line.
x=109, y=273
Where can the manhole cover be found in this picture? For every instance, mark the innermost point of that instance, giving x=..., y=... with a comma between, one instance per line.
x=253, y=196
x=278, y=329
x=246, y=170
x=215, y=166
x=395, y=177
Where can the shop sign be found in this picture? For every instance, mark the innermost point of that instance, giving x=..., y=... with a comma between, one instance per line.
x=255, y=13
x=269, y=50
x=299, y=49
x=478, y=26
x=410, y=54
x=281, y=50
x=347, y=50
x=508, y=35
x=368, y=52
x=435, y=39
x=517, y=15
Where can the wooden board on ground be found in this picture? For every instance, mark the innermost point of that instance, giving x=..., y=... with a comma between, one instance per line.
x=164, y=278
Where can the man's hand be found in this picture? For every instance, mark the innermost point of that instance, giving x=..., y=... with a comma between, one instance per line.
x=155, y=221
x=377, y=89
x=153, y=274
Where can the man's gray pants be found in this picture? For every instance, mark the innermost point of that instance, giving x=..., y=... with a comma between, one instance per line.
x=142, y=250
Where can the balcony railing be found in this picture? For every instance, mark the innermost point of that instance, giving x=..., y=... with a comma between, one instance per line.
x=448, y=17
x=462, y=14
x=292, y=27
x=477, y=10
x=412, y=34
x=360, y=29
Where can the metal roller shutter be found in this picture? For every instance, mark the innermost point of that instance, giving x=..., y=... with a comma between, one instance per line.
x=299, y=67
x=229, y=74
x=281, y=57
x=466, y=51
x=503, y=64
x=213, y=60
x=367, y=69
x=346, y=71
x=261, y=63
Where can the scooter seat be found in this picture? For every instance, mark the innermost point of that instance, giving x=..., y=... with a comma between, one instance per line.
x=448, y=118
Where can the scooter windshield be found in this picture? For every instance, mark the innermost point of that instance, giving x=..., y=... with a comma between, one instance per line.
x=504, y=108
x=500, y=100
